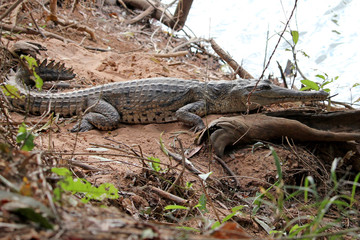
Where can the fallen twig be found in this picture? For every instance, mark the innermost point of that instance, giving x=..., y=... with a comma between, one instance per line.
x=169, y=196
x=11, y=9
x=77, y=26
x=33, y=20
x=343, y=104
x=83, y=165
x=161, y=13
x=66, y=23
x=232, y=63
x=31, y=31
x=177, y=180
x=171, y=54
x=141, y=16
x=193, y=40
x=189, y=166
x=226, y=167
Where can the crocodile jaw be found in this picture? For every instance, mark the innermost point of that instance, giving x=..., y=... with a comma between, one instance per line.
x=280, y=95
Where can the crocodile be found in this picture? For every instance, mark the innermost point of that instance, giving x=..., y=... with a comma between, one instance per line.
x=155, y=100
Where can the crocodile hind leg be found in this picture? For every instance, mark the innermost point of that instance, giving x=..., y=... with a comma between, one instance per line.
x=102, y=116
x=190, y=115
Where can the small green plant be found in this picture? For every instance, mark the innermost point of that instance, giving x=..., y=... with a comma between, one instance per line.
x=351, y=96
x=188, y=185
x=25, y=137
x=11, y=91
x=315, y=225
x=318, y=86
x=32, y=64
x=155, y=164
x=176, y=207
x=234, y=211
x=202, y=204
x=80, y=185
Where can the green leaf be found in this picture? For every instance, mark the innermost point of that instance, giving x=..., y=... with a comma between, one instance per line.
x=215, y=225
x=304, y=53
x=80, y=185
x=326, y=83
x=310, y=84
x=277, y=162
x=31, y=61
x=26, y=138
x=175, y=207
x=305, y=88
x=320, y=76
x=11, y=91
x=202, y=204
x=256, y=146
x=234, y=210
x=30, y=214
x=38, y=81
x=188, y=229
x=356, y=181
x=155, y=164
x=295, y=36
x=61, y=171
x=188, y=185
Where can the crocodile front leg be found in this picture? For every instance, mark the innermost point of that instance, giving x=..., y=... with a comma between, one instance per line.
x=190, y=114
x=102, y=116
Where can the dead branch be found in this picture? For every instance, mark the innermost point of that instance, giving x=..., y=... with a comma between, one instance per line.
x=226, y=167
x=141, y=16
x=75, y=3
x=189, y=166
x=232, y=63
x=11, y=9
x=169, y=196
x=169, y=55
x=66, y=23
x=77, y=26
x=160, y=13
x=15, y=14
x=177, y=180
x=53, y=8
x=34, y=32
x=193, y=40
x=35, y=23
x=181, y=13
x=83, y=165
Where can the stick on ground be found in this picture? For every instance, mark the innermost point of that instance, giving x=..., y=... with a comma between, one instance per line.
x=232, y=63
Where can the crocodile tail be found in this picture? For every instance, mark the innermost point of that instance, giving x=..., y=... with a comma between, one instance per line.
x=54, y=71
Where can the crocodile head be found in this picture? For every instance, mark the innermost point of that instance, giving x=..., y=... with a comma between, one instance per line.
x=267, y=93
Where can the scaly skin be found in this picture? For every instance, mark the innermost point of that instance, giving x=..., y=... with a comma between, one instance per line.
x=157, y=100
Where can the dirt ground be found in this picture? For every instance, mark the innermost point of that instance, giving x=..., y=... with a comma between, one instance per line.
x=130, y=54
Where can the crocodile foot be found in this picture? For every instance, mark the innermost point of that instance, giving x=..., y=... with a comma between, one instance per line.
x=198, y=127
x=102, y=115
x=82, y=126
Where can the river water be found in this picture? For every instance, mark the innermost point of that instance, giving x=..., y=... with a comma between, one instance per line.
x=328, y=34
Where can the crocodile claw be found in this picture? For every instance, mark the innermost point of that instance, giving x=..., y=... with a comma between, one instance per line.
x=82, y=126
x=198, y=127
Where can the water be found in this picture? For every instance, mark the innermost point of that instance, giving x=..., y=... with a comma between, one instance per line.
x=328, y=34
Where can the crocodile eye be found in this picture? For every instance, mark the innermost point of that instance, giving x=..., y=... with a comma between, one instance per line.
x=265, y=87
